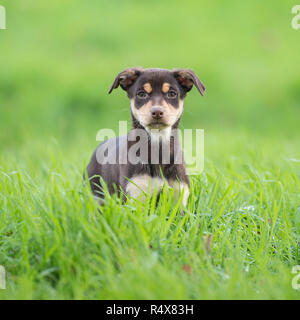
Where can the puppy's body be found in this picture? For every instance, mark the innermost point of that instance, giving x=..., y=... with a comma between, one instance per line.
x=134, y=178
x=156, y=101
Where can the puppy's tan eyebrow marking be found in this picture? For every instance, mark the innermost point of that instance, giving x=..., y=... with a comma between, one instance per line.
x=165, y=87
x=147, y=87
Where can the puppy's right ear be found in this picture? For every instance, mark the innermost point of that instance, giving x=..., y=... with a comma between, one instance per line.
x=126, y=78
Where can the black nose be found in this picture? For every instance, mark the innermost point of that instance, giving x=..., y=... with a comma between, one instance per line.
x=157, y=113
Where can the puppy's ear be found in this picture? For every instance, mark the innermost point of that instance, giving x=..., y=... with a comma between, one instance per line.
x=187, y=78
x=126, y=78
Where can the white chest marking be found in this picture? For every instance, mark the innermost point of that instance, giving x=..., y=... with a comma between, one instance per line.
x=139, y=186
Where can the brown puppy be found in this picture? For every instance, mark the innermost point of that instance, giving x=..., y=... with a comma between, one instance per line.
x=156, y=102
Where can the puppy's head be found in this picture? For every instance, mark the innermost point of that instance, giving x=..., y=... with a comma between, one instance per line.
x=156, y=95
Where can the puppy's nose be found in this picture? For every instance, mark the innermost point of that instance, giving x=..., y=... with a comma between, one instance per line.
x=157, y=113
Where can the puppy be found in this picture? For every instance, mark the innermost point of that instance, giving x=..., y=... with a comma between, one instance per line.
x=139, y=163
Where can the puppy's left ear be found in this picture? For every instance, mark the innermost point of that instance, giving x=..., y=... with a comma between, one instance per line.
x=126, y=78
x=187, y=78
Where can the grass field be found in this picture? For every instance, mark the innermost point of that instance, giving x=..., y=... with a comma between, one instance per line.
x=58, y=59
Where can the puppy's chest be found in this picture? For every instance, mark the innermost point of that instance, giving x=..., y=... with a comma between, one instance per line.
x=145, y=183
x=156, y=170
x=140, y=185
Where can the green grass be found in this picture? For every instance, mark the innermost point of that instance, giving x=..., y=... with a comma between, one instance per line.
x=58, y=60
x=56, y=244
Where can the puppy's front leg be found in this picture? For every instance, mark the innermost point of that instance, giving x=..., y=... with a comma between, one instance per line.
x=178, y=188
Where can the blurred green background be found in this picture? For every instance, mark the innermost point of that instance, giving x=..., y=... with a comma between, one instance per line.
x=59, y=58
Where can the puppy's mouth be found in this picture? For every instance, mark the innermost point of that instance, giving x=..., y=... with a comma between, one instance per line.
x=157, y=124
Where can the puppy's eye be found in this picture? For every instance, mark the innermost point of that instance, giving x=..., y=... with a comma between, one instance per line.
x=142, y=94
x=172, y=94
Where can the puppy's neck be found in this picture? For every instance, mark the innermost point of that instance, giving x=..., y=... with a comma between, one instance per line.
x=159, y=137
